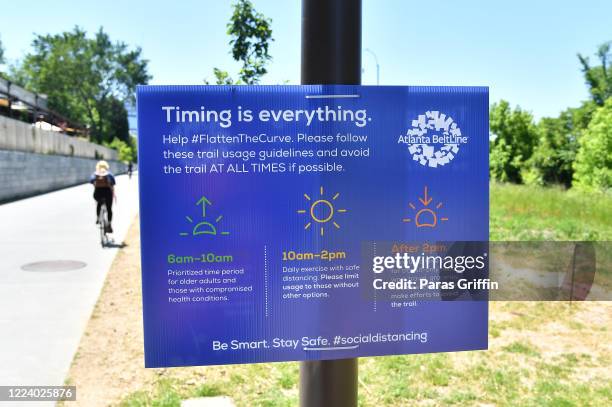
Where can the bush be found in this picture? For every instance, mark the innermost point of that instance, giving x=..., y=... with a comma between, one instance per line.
x=555, y=152
x=513, y=138
x=127, y=152
x=593, y=165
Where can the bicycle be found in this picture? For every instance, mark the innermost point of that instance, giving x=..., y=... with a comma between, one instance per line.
x=103, y=223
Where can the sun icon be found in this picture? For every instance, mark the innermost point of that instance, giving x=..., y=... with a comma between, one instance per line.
x=204, y=227
x=321, y=211
x=426, y=216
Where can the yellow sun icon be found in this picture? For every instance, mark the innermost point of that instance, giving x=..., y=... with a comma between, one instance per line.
x=321, y=211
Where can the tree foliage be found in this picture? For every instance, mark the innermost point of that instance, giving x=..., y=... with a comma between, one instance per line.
x=86, y=79
x=571, y=149
x=557, y=145
x=599, y=78
x=513, y=138
x=125, y=149
x=593, y=165
x=251, y=34
x=114, y=114
x=1, y=52
x=222, y=77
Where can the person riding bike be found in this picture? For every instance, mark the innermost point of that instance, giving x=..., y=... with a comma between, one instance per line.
x=104, y=192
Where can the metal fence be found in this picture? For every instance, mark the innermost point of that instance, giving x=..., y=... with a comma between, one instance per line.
x=18, y=102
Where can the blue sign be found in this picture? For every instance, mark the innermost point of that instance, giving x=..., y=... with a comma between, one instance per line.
x=267, y=213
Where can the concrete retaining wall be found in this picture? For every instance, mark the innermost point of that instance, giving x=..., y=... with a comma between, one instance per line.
x=20, y=136
x=34, y=161
x=24, y=174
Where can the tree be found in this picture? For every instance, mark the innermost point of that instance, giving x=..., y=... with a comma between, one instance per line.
x=126, y=150
x=599, y=78
x=251, y=35
x=557, y=145
x=115, y=119
x=551, y=161
x=1, y=52
x=513, y=139
x=222, y=77
x=593, y=165
x=85, y=78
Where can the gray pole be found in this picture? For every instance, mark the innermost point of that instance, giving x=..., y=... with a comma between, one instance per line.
x=377, y=66
x=331, y=54
x=331, y=42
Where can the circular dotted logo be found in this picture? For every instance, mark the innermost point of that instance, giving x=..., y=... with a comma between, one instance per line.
x=434, y=139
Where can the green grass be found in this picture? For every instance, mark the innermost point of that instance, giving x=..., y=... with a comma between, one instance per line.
x=165, y=395
x=521, y=212
x=522, y=348
x=208, y=390
x=516, y=370
x=511, y=375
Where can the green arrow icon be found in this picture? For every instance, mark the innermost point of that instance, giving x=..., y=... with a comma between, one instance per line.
x=203, y=201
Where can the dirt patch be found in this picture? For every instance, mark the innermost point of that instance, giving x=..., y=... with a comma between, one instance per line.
x=109, y=363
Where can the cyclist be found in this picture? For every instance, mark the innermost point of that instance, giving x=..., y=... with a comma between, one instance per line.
x=104, y=183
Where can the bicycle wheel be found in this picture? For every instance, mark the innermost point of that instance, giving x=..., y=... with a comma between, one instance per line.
x=103, y=223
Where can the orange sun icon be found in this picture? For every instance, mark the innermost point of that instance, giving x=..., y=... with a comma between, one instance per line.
x=426, y=216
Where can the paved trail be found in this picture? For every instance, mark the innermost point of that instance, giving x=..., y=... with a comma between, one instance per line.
x=43, y=313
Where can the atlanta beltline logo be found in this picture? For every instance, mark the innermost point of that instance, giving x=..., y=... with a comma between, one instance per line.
x=434, y=139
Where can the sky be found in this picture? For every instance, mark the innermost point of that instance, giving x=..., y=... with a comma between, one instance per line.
x=525, y=51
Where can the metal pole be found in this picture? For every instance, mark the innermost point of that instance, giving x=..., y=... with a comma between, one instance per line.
x=377, y=74
x=328, y=383
x=331, y=54
x=331, y=42
x=377, y=66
